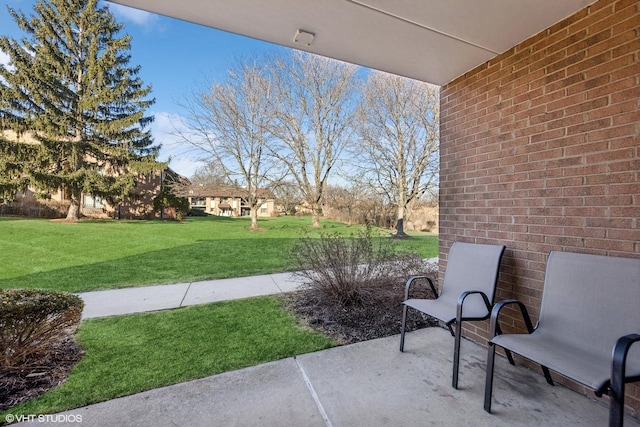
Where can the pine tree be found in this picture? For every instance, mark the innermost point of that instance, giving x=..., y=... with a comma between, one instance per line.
x=69, y=85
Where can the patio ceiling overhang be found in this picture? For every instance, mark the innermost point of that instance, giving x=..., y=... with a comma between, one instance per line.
x=429, y=40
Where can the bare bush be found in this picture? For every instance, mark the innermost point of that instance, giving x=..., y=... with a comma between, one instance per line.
x=353, y=270
x=32, y=321
x=33, y=207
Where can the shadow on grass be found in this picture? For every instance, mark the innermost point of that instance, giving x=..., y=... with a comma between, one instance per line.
x=208, y=259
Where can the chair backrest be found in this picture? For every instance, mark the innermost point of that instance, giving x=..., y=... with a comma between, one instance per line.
x=589, y=301
x=472, y=267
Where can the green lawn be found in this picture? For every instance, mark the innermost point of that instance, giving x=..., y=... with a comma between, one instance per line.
x=129, y=354
x=92, y=255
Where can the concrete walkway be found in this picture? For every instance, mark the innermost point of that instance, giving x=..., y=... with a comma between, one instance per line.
x=162, y=297
x=367, y=384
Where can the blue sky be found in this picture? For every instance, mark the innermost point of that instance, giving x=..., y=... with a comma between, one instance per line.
x=176, y=58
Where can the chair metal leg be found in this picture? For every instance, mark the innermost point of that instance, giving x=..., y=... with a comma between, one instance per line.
x=488, y=385
x=547, y=375
x=448, y=325
x=507, y=352
x=616, y=403
x=404, y=323
x=456, y=354
x=510, y=357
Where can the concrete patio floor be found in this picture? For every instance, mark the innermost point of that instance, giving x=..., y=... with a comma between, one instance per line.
x=366, y=384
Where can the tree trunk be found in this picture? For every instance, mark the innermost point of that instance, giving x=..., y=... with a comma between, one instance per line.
x=254, y=218
x=74, y=210
x=315, y=215
x=400, y=234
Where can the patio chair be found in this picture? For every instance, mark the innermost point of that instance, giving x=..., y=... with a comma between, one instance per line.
x=467, y=292
x=589, y=320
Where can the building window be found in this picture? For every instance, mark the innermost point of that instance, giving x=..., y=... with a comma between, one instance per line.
x=91, y=201
x=198, y=201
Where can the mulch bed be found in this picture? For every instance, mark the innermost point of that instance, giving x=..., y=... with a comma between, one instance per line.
x=355, y=323
x=46, y=371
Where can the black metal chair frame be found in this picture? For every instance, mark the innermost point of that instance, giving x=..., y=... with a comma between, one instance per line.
x=457, y=333
x=614, y=387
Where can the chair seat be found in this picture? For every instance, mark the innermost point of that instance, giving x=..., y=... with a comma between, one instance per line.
x=586, y=368
x=446, y=311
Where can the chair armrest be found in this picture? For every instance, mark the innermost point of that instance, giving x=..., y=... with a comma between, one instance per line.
x=413, y=279
x=494, y=327
x=617, y=380
x=619, y=358
x=464, y=295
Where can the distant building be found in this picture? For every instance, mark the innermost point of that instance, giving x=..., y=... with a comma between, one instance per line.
x=227, y=200
x=56, y=203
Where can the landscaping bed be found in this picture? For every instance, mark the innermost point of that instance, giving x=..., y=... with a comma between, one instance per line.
x=362, y=322
x=20, y=385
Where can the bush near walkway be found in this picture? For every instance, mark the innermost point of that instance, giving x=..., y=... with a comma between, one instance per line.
x=354, y=285
x=37, y=345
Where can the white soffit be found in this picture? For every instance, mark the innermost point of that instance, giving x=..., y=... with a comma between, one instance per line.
x=430, y=40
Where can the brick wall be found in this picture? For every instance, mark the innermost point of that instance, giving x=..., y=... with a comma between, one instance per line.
x=540, y=150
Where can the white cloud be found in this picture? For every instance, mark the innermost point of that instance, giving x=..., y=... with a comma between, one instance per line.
x=165, y=130
x=136, y=16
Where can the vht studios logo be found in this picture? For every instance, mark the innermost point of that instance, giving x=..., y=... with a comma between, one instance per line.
x=56, y=418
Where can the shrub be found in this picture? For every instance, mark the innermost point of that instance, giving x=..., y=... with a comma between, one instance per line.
x=354, y=270
x=32, y=321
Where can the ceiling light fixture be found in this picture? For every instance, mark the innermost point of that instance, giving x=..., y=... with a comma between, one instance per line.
x=304, y=37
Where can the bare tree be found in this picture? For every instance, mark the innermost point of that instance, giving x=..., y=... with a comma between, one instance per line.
x=210, y=174
x=287, y=195
x=349, y=202
x=398, y=147
x=231, y=122
x=313, y=102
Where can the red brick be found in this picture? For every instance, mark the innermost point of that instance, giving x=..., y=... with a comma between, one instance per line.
x=626, y=188
x=631, y=117
x=612, y=133
x=549, y=135
x=610, y=156
x=596, y=41
x=563, y=102
x=588, y=126
x=592, y=104
x=628, y=89
x=566, y=82
x=612, y=68
x=592, y=83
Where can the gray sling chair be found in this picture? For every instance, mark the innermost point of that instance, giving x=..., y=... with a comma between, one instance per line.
x=467, y=291
x=589, y=320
